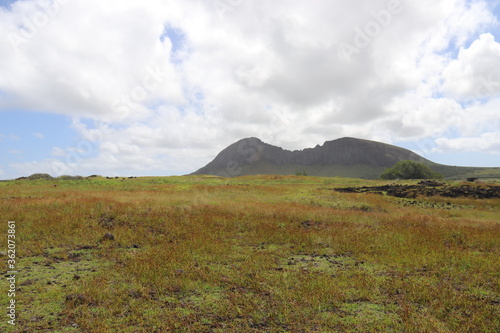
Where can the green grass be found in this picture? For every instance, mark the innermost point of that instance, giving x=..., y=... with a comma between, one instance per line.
x=248, y=254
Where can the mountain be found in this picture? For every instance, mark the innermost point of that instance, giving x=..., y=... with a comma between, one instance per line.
x=345, y=157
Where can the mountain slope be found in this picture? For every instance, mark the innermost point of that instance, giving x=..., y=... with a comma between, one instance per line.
x=345, y=157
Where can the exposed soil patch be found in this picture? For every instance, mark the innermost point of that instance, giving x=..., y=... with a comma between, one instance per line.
x=429, y=189
x=319, y=263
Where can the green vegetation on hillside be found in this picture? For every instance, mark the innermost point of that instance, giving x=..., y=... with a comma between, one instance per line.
x=36, y=176
x=410, y=170
x=301, y=172
x=248, y=254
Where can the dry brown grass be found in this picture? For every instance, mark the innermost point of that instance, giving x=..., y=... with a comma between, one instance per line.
x=249, y=254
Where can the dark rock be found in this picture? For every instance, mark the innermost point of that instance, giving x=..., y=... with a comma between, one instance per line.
x=422, y=189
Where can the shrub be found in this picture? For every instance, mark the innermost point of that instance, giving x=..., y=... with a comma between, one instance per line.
x=66, y=177
x=302, y=172
x=410, y=170
x=44, y=176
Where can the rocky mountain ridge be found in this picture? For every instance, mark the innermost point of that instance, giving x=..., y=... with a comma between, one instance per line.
x=344, y=157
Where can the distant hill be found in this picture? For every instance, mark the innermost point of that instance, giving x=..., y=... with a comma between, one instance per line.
x=345, y=157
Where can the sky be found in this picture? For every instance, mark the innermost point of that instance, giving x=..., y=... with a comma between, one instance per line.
x=159, y=87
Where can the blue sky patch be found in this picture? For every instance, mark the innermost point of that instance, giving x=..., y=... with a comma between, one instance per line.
x=176, y=36
x=21, y=131
x=6, y=3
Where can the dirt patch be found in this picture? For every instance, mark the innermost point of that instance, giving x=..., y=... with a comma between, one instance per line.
x=319, y=263
x=429, y=189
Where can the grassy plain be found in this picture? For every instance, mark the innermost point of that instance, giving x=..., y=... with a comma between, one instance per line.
x=247, y=254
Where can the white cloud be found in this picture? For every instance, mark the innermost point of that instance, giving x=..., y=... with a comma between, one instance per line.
x=416, y=116
x=39, y=135
x=486, y=142
x=475, y=74
x=479, y=118
x=258, y=68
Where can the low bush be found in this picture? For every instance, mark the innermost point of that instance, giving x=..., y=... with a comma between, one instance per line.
x=36, y=176
x=410, y=170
